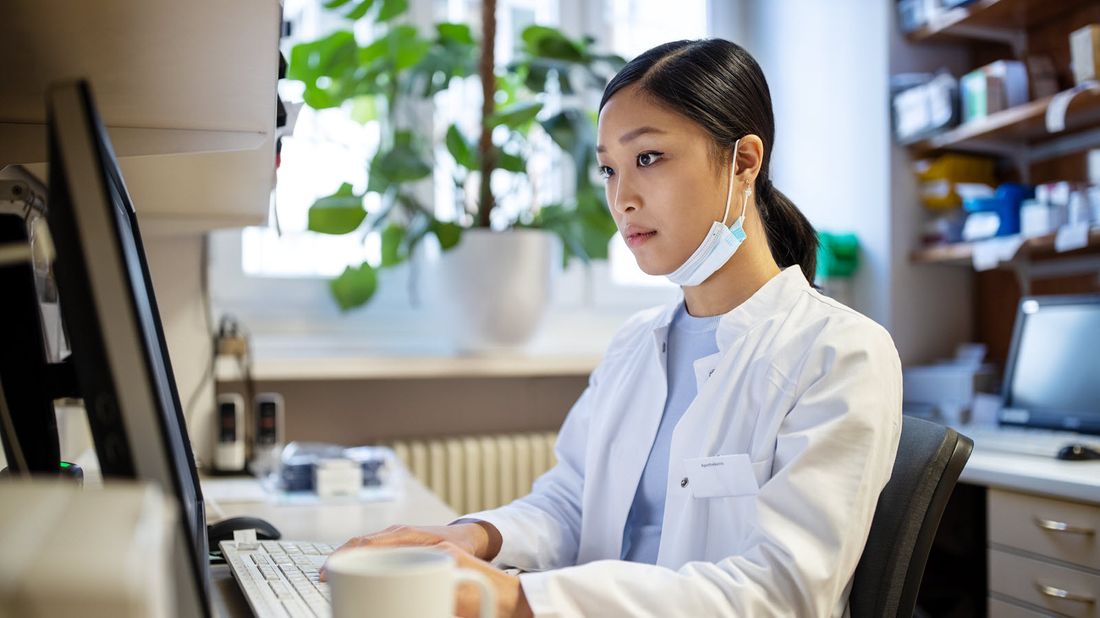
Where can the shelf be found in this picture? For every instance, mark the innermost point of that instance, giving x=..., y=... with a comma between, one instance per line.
x=986, y=20
x=1023, y=125
x=186, y=91
x=1039, y=247
x=194, y=193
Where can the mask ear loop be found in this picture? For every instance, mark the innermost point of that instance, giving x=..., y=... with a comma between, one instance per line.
x=729, y=189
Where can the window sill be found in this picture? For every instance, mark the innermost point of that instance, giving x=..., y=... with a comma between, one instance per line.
x=331, y=367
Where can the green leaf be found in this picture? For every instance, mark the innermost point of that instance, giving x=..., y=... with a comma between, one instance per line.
x=392, y=237
x=335, y=4
x=511, y=162
x=332, y=58
x=339, y=213
x=364, y=109
x=455, y=33
x=400, y=164
x=460, y=149
x=391, y=9
x=516, y=115
x=406, y=47
x=354, y=287
x=448, y=233
x=546, y=42
x=359, y=11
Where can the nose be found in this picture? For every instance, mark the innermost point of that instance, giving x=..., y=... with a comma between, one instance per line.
x=622, y=197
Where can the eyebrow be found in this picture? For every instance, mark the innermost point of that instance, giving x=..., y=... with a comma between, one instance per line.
x=629, y=135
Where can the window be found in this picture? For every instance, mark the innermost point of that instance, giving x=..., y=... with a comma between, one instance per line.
x=263, y=271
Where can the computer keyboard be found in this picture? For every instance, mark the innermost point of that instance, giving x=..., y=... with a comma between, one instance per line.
x=1020, y=441
x=280, y=578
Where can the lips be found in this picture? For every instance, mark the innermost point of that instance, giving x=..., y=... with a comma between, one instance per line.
x=632, y=231
x=635, y=234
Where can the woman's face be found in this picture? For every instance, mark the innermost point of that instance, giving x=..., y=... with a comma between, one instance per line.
x=663, y=186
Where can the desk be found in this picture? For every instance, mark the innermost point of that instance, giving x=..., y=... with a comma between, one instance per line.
x=325, y=523
x=1070, y=480
x=994, y=551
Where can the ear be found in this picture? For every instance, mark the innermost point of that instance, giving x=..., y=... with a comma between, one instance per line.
x=749, y=157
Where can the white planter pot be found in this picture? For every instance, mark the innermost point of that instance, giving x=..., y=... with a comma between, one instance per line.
x=496, y=287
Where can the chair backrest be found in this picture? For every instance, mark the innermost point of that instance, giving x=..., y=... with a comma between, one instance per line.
x=930, y=459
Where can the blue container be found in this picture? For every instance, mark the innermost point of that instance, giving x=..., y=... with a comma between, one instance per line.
x=1006, y=202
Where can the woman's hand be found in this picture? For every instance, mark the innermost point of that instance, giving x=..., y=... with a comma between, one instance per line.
x=511, y=602
x=472, y=538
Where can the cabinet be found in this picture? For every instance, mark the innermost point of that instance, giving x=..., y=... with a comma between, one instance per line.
x=187, y=91
x=1044, y=555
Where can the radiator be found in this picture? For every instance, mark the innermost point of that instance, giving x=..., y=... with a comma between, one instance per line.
x=473, y=473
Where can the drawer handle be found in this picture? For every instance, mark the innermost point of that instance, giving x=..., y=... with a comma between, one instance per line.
x=1061, y=526
x=1065, y=595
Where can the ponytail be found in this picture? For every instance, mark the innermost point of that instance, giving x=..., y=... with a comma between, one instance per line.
x=791, y=238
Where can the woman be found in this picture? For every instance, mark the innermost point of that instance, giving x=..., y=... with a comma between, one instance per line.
x=729, y=451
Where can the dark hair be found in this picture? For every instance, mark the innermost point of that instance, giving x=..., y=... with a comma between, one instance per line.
x=720, y=87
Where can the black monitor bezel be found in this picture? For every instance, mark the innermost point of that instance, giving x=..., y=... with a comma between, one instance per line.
x=1041, y=419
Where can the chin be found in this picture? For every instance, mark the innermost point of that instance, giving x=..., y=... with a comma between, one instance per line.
x=651, y=269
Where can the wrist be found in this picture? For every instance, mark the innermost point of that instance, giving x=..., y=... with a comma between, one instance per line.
x=523, y=608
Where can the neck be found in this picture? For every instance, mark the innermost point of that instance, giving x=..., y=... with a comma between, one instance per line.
x=738, y=279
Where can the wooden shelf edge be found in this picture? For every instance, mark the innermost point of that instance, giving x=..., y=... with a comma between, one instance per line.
x=979, y=21
x=961, y=254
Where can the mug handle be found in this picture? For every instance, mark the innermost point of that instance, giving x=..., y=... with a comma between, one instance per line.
x=488, y=594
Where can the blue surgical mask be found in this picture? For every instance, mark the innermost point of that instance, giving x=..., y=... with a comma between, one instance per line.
x=718, y=245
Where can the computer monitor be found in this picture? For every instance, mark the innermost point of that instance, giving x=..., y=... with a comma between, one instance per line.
x=1052, y=377
x=110, y=312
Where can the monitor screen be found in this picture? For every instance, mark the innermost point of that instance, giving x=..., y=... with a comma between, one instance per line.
x=110, y=313
x=1053, y=377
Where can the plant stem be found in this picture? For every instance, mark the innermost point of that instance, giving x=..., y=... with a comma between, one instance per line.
x=486, y=154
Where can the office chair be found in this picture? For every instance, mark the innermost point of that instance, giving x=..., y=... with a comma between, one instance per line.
x=888, y=576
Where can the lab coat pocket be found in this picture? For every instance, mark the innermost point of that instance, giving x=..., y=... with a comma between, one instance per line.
x=721, y=476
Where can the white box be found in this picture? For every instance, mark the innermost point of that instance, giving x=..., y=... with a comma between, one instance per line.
x=1084, y=50
x=337, y=477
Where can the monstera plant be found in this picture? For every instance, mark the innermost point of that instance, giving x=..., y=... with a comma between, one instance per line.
x=399, y=72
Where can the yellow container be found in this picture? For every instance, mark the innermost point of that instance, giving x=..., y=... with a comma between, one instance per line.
x=939, y=176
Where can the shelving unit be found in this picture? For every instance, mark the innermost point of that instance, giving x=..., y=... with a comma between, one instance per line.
x=1020, y=133
x=186, y=91
x=997, y=20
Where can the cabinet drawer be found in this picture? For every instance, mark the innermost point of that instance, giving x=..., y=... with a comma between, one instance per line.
x=1002, y=609
x=1026, y=579
x=1058, y=529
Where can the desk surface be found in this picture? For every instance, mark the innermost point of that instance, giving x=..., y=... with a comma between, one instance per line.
x=1067, y=480
x=324, y=523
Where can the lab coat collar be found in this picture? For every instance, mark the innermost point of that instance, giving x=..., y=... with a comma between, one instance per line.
x=773, y=297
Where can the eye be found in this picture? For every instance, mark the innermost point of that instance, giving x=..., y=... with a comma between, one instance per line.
x=647, y=159
x=606, y=172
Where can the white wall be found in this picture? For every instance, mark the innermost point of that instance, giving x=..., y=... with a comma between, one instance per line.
x=826, y=66
x=176, y=265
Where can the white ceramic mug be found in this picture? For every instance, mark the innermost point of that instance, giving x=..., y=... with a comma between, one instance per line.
x=400, y=582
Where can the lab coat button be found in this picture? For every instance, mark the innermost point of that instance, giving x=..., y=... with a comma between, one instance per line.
x=684, y=482
x=663, y=347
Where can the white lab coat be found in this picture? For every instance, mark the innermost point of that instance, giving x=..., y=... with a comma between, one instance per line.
x=774, y=469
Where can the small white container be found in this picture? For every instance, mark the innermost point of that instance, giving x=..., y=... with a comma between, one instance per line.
x=337, y=477
x=1036, y=219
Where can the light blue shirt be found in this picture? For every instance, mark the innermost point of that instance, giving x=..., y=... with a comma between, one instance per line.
x=689, y=339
